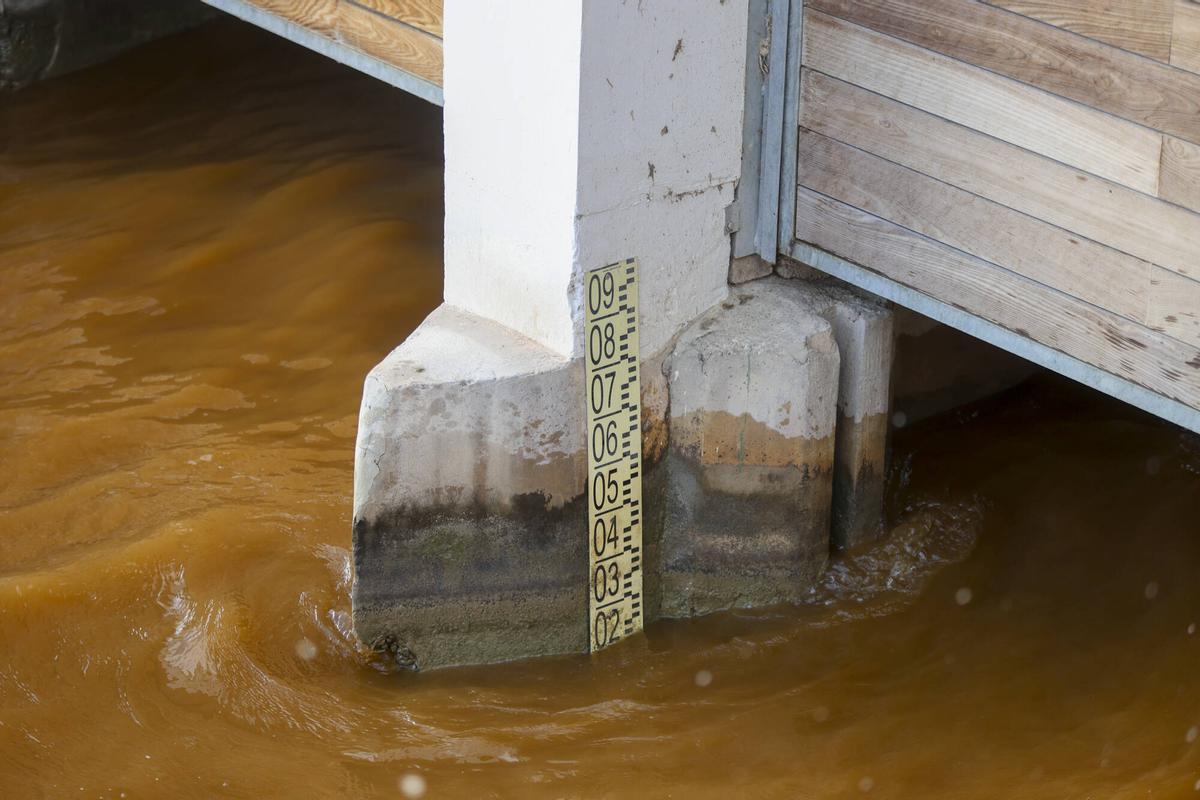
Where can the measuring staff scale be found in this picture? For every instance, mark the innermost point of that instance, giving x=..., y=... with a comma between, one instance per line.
x=614, y=437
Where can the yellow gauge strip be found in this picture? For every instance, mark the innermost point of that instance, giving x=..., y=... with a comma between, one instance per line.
x=614, y=434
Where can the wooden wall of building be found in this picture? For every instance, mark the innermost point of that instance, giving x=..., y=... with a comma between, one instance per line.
x=1033, y=162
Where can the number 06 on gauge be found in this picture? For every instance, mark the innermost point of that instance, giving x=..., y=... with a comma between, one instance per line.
x=614, y=453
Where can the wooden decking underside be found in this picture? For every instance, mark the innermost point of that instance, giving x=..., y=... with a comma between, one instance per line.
x=399, y=41
x=1034, y=163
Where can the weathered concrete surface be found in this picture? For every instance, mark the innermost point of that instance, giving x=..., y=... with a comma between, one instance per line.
x=655, y=437
x=470, y=472
x=469, y=514
x=748, y=268
x=469, y=498
x=864, y=327
x=40, y=39
x=753, y=407
x=864, y=331
x=625, y=140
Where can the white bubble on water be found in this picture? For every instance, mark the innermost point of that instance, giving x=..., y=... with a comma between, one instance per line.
x=412, y=785
x=704, y=678
x=1192, y=733
x=1197, y=786
x=1191, y=629
x=1151, y=590
x=305, y=649
x=899, y=419
x=963, y=596
x=866, y=783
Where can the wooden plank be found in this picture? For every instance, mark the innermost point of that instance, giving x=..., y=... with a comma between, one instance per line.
x=423, y=14
x=1107, y=278
x=1180, y=180
x=1140, y=26
x=1037, y=250
x=1112, y=343
x=319, y=16
x=366, y=31
x=1090, y=140
x=1088, y=72
x=1129, y=221
x=1173, y=306
x=390, y=41
x=1185, y=37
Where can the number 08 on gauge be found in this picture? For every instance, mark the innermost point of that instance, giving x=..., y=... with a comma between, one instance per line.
x=614, y=453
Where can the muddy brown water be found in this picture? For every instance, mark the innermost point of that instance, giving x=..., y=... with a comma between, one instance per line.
x=203, y=248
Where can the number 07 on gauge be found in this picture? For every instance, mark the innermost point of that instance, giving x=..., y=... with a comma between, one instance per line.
x=614, y=445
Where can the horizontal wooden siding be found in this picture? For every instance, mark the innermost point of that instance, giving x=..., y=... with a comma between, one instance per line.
x=1035, y=163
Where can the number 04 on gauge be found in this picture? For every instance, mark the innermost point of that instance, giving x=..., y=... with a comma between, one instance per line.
x=614, y=453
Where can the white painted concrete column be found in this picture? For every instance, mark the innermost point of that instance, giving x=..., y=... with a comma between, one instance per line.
x=580, y=132
x=511, y=88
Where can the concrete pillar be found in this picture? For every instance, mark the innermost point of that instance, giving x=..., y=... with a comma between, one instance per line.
x=599, y=131
x=863, y=328
x=596, y=132
x=754, y=391
x=468, y=498
x=779, y=404
x=512, y=164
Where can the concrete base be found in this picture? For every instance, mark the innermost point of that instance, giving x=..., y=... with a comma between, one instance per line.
x=469, y=498
x=864, y=331
x=753, y=388
x=778, y=446
x=40, y=39
x=764, y=419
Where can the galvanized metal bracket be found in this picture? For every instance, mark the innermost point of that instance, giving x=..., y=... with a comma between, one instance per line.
x=762, y=219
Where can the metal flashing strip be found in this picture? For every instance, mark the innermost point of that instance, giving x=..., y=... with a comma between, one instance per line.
x=791, y=125
x=761, y=220
x=1056, y=360
x=770, y=176
x=742, y=216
